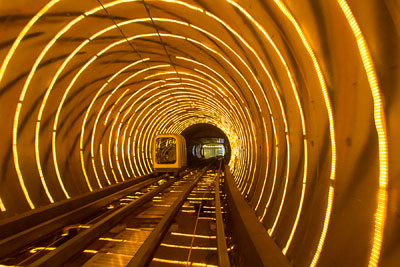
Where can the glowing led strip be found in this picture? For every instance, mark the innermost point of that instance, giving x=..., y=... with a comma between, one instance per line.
x=2, y=207
x=196, y=236
x=107, y=99
x=189, y=74
x=22, y=96
x=186, y=263
x=155, y=96
x=187, y=247
x=95, y=124
x=233, y=156
x=290, y=78
x=283, y=61
x=331, y=131
x=174, y=112
x=103, y=106
x=19, y=105
x=111, y=139
x=22, y=34
x=147, y=137
x=103, y=165
x=285, y=187
x=275, y=172
x=109, y=113
x=53, y=136
x=267, y=166
x=303, y=192
x=380, y=124
x=199, y=9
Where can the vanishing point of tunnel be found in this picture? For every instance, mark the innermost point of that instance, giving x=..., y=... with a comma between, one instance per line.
x=302, y=98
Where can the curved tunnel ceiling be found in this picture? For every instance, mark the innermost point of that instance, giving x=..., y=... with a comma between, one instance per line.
x=302, y=89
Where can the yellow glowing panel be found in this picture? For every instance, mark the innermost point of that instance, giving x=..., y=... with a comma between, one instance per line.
x=187, y=247
x=275, y=172
x=56, y=165
x=115, y=103
x=380, y=124
x=2, y=207
x=303, y=190
x=186, y=263
x=102, y=164
x=101, y=110
x=42, y=179
x=286, y=184
x=196, y=236
x=16, y=161
x=267, y=162
x=84, y=171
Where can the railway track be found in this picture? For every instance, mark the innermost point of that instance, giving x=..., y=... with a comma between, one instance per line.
x=155, y=221
x=147, y=221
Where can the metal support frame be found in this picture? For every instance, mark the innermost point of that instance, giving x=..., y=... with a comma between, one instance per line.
x=19, y=223
x=78, y=243
x=146, y=251
x=223, y=258
x=19, y=240
x=257, y=246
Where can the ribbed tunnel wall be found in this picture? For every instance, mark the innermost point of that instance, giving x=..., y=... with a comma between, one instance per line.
x=306, y=91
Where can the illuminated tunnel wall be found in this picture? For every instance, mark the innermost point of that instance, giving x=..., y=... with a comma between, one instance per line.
x=306, y=91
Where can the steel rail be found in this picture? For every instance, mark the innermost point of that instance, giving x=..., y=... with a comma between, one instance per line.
x=78, y=243
x=223, y=258
x=19, y=223
x=22, y=239
x=146, y=251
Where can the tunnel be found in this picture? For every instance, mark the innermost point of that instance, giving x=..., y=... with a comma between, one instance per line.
x=306, y=94
x=205, y=141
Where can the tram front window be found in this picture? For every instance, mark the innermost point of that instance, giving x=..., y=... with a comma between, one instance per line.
x=166, y=150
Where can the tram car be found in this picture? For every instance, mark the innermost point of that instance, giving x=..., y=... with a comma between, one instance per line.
x=169, y=153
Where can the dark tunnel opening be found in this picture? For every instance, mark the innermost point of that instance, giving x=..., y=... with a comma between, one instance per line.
x=205, y=141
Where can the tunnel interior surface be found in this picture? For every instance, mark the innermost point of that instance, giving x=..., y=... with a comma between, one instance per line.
x=304, y=94
x=205, y=141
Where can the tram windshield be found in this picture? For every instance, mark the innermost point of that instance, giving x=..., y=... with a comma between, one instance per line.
x=165, y=150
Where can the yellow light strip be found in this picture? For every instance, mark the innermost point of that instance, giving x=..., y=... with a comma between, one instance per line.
x=155, y=96
x=22, y=35
x=267, y=162
x=275, y=172
x=2, y=207
x=158, y=74
x=303, y=191
x=84, y=170
x=101, y=110
x=321, y=79
x=37, y=249
x=16, y=161
x=192, y=235
x=56, y=116
x=285, y=187
x=102, y=164
x=186, y=263
x=114, y=104
x=380, y=124
x=118, y=86
x=46, y=189
x=21, y=99
x=187, y=247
